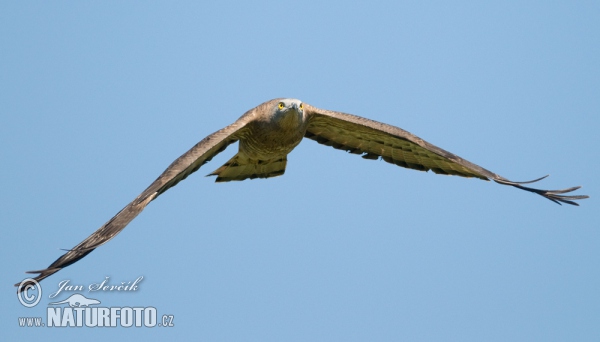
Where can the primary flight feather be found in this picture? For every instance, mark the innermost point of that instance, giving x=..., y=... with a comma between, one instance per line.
x=267, y=133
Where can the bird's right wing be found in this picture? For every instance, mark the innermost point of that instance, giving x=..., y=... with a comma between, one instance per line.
x=182, y=167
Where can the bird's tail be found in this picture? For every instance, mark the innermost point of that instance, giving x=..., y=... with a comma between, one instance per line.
x=240, y=167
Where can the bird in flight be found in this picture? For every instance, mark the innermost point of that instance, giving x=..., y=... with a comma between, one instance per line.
x=266, y=135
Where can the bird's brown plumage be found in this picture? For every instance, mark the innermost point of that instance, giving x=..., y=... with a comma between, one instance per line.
x=267, y=134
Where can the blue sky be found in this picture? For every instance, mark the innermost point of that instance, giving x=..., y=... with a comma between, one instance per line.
x=98, y=99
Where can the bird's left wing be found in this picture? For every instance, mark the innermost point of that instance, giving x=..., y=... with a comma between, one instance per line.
x=182, y=167
x=373, y=140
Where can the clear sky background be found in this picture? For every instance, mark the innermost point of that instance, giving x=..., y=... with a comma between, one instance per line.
x=96, y=100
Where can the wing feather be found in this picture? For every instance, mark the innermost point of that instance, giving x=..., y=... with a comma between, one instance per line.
x=394, y=145
x=182, y=167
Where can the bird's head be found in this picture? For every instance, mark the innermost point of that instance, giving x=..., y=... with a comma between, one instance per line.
x=288, y=111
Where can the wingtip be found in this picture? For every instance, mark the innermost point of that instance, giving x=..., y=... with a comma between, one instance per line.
x=35, y=272
x=533, y=181
x=553, y=195
x=24, y=285
x=41, y=275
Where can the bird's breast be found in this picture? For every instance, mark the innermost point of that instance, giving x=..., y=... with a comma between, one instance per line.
x=271, y=140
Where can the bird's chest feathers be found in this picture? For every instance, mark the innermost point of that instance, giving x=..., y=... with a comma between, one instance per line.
x=273, y=138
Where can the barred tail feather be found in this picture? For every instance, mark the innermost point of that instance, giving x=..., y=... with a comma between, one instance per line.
x=240, y=167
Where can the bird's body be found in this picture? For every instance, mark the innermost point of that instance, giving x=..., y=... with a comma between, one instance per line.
x=275, y=135
x=267, y=134
x=266, y=141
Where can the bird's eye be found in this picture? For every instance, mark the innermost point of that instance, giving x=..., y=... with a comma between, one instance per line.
x=281, y=105
x=301, y=106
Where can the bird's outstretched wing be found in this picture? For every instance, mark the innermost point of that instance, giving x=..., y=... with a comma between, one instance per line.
x=182, y=167
x=373, y=140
